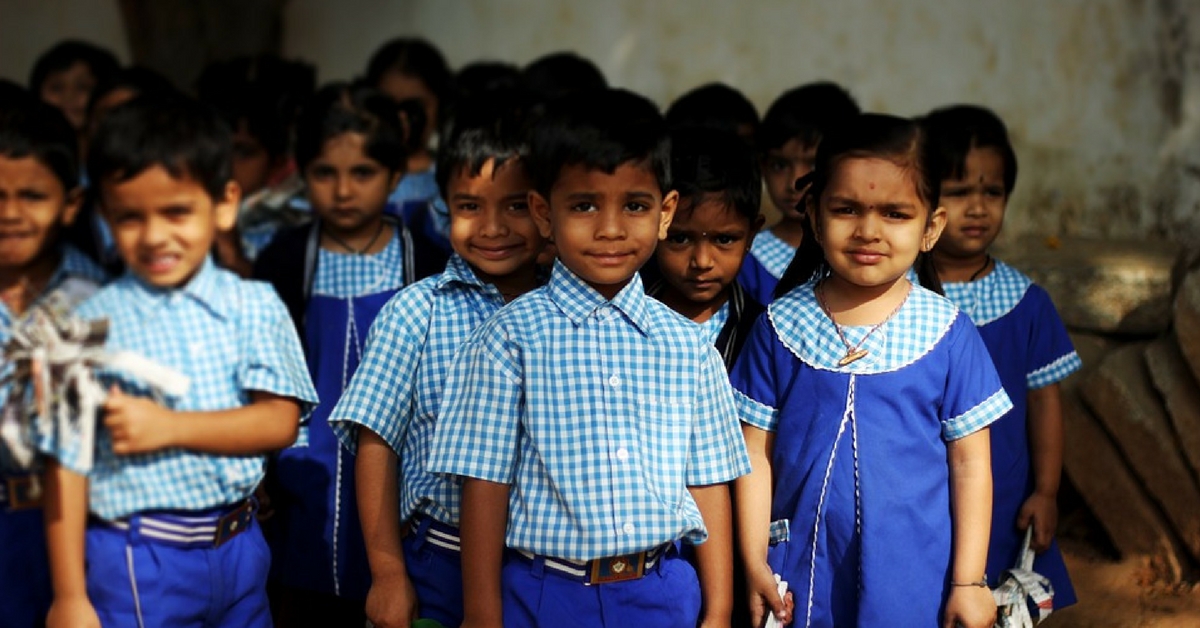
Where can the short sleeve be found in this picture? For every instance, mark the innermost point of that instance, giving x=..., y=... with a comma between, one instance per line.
x=974, y=397
x=753, y=377
x=482, y=404
x=1052, y=357
x=718, y=451
x=380, y=395
x=271, y=359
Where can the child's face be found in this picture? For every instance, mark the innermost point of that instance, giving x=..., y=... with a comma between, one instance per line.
x=872, y=223
x=348, y=190
x=490, y=223
x=33, y=207
x=252, y=163
x=69, y=90
x=974, y=205
x=164, y=226
x=704, y=248
x=400, y=86
x=605, y=225
x=781, y=167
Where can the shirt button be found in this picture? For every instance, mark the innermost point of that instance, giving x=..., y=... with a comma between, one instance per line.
x=627, y=528
x=622, y=454
x=614, y=381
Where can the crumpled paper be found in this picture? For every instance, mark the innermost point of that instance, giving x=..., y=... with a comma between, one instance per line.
x=1019, y=586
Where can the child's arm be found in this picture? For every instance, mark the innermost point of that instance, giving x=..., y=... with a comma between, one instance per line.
x=714, y=557
x=1046, y=450
x=392, y=600
x=66, y=518
x=139, y=425
x=484, y=521
x=970, y=604
x=753, y=501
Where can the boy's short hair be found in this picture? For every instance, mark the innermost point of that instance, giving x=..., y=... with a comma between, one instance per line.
x=341, y=108
x=808, y=112
x=955, y=130
x=712, y=163
x=32, y=128
x=714, y=105
x=599, y=130
x=558, y=74
x=483, y=77
x=183, y=136
x=264, y=92
x=491, y=126
x=100, y=62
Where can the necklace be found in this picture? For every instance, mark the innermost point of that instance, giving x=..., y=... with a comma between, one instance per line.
x=855, y=352
x=987, y=259
x=354, y=251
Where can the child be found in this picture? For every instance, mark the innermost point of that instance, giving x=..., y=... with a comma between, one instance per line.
x=787, y=142
x=66, y=75
x=590, y=421
x=557, y=74
x=865, y=401
x=1022, y=331
x=334, y=275
x=717, y=106
x=167, y=508
x=719, y=194
x=412, y=534
x=39, y=196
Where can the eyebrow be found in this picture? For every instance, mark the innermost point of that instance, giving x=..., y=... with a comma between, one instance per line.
x=843, y=199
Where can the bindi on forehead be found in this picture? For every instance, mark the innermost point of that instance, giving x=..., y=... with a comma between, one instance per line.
x=871, y=185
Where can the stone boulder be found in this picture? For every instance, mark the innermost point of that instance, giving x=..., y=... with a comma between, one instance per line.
x=1181, y=393
x=1187, y=319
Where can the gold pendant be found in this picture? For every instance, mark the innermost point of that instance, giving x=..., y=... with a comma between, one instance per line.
x=853, y=355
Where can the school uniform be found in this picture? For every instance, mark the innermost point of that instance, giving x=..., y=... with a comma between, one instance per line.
x=729, y=326
x=316, y=536
x=1030, y=348
x=172, y=539
x=24, y=570
x=861, y=514
x=418, y=201
x=768, y=259
x=396, y=393
x=599, y=414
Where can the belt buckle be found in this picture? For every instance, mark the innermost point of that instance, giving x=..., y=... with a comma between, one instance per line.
x=234, y=523
x=617, y=568
x=24, y=492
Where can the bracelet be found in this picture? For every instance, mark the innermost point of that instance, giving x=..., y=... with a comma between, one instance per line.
x=982, y=583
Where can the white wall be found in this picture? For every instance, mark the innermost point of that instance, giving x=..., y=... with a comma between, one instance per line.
x=29, y=27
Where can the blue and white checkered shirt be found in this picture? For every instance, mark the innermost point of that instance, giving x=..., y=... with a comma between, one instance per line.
x=74, y=265
x=712, y=327
x=598, y=413
x=345, y=275
x=772, y=252
x=397, y=390
x=230, y=337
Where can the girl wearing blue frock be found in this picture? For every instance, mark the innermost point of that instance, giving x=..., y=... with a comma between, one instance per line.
x=865, y=402
x=1022, y=331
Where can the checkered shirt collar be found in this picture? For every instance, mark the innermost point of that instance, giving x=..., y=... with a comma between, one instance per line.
x=577, y=300
x=203, y=288
x=458, y=271
x=992, y=296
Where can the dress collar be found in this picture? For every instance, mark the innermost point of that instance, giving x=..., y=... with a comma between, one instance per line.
x=577, y=300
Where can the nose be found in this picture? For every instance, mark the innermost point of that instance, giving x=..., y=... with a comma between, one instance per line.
x=493, y=225
x=702, y=257
x=154, y=232
x=341, y=190
x=975, y=205
x=609, y=224
x=868, y=226
x=8, y=209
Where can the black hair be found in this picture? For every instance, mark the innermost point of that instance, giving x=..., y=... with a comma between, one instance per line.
x=809, y=112
x=557, y=74
x=32, y=128
x=483, y=77
x=184, y=136
x=708, y=162
x=899, y=140
x=955, y=130
x=138, y=79
x=714, y=105
x=416, y=57
x=100, y=62
x=599, y=130
x=263, y=92
x=487, y=127
x=341, y=108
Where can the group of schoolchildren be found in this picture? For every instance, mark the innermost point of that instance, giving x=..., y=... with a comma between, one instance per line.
x=549, y=370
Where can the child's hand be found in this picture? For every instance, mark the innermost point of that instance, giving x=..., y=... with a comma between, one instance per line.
x=137, y=425
x=764, y=596
x=392, y=602
x=72, y=612
x=970, y=607
x=1040, y=511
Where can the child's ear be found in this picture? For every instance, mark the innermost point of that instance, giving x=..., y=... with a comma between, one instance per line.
x=71, y=205
x=226, y=207
x=669, y=203
x=539, y=208
x=933, y=229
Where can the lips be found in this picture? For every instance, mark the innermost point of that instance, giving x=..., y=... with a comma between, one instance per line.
x=866, y=256
x=162, y=263
x=974, y=231
x=610, y=257
x=495, y=253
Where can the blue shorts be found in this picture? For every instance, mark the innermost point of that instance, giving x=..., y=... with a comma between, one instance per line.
x=24, y=569
x=667, y=596
x=435, y=570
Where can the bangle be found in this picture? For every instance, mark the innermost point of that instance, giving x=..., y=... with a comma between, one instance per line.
x=982, y=583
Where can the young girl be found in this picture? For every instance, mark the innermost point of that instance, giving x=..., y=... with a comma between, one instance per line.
x=1021, y=329
x=39, y=196
x=865, y=401
x=787, y=142
x=335, y=275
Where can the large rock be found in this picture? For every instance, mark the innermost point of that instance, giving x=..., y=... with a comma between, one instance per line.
x=1179, y=389
x=1135, y=524
x=1091, y=349
x=1101, y=285
x=1187, y=319
x=1119, y=392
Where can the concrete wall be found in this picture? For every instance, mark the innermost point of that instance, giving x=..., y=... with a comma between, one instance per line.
x=29, y=27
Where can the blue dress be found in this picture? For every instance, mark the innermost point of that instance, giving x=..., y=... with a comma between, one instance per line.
x=761, y=269
x=1030, y=348
x=861, y=504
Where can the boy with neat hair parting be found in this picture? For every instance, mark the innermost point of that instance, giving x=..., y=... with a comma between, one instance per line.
x=592, y=426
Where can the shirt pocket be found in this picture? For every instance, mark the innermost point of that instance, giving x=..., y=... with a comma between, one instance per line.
x=666, y=434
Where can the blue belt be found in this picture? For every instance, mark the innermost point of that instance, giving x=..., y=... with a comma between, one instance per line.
x=190, y=530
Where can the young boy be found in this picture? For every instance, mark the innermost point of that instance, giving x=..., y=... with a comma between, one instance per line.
x=718, y=215
x=591, y=425
x=389, y=410
x=166, y=513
